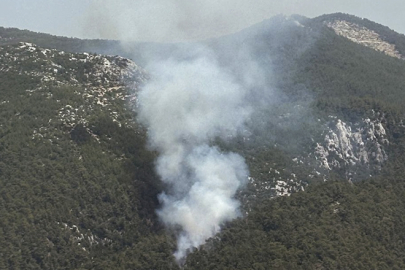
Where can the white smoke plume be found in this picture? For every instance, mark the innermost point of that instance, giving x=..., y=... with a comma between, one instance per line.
x=186, y=105
x=192, y=100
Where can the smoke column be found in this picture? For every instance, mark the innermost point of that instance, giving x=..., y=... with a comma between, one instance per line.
x=186, y=105
x=190, y=102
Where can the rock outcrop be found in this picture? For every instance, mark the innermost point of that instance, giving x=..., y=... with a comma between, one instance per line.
x=99, y=80
x=351, y=146
x=363, y=36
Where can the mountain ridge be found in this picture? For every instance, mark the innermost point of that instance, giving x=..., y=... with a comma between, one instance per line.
x=78, y=188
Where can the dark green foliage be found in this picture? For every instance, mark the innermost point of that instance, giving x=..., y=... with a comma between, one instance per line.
x=79, y=134
x=339, y=70
x=80, y=197
x=330, y=226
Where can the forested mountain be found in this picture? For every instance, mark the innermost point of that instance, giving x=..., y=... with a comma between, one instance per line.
x=78, y=187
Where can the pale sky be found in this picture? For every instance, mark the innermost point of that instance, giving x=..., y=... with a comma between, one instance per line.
x=168, y=20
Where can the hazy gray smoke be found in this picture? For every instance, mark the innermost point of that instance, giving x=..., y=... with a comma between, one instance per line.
x=174, y=20
x=179, y=20
x=171, y=20
x=186, y=105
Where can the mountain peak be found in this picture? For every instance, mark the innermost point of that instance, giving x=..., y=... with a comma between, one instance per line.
x=365, y=32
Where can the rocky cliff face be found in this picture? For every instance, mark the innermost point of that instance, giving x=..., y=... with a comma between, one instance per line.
x=349, y=146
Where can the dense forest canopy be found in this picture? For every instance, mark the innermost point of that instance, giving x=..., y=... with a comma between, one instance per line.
x=78, y=187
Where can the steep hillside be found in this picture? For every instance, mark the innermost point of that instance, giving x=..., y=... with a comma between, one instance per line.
x=356, y=95
x=342, y=102
x=356, y=83
x=78, y=188
x=76, y=182
x=330, y=226
x=364, y=31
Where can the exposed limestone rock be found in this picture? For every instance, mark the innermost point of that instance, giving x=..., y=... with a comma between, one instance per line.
x=68, y=68
x=364, y=36
x=348, y=147
x=100, y=80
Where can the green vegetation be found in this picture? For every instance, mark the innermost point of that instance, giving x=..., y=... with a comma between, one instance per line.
x=335, y=225
x=79, y=191
x=13, y=35
x=74, y=197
